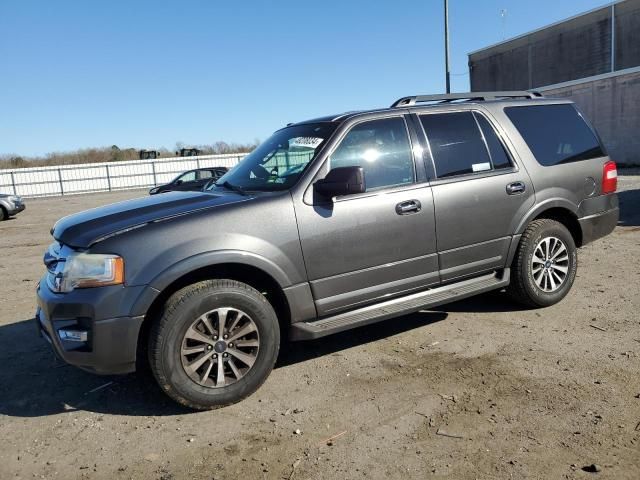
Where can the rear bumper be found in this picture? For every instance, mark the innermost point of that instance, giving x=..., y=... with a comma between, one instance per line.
x=111, y=343
x=598, y=225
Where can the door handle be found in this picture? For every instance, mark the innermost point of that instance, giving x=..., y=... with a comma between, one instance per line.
x=407, y=207
x=515, y=188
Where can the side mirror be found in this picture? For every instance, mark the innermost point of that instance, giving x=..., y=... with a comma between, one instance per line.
x=178, y=182
x=341, y=181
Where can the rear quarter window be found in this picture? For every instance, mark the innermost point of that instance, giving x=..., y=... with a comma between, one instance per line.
x=555, y=133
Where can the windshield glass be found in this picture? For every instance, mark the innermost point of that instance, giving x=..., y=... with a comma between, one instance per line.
x=277, y=163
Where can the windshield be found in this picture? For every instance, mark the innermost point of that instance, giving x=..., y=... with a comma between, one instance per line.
x=277, y=163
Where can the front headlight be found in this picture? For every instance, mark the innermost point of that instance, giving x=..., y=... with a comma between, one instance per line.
x=15, y=199
x=153, y=190
x=86, y=270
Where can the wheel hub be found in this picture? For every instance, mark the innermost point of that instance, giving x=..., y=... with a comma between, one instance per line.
x=550, y=264
x=212, y=362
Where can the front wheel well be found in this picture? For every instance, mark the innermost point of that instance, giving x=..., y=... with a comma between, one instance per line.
x=252, y=276
x=568, y=219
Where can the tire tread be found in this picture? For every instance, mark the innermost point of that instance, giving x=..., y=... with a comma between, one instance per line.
x=160, y=327
x=517, y=288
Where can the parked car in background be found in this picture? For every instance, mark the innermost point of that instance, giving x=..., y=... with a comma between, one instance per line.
x=10, y=205
x=193, y=180
x=330, y=224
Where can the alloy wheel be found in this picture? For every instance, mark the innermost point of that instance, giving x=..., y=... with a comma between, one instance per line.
x=220, y=347
x=550, y=264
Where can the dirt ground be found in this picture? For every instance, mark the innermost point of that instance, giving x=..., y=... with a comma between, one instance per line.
x=476, y=389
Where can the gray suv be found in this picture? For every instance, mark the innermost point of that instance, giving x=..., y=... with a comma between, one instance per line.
x=10, y=205
x=332, y=223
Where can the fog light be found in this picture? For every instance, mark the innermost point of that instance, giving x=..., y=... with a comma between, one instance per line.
x=73, y=335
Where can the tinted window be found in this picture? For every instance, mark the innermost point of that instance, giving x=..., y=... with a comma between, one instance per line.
x=499, y=157
x=381, y=148
x=555, y=133
x=456, y=143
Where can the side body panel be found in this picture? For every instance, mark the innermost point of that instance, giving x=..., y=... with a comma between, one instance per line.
x=260, y=232
x=475, y=216
x=359, y=249
x=559, y=186
x=476, y=219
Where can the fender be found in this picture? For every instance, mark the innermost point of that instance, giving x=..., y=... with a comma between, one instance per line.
x=541, y=207
x=206, y=259
x=533, y=213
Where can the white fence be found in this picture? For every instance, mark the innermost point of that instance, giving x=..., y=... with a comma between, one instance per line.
x=104, y=177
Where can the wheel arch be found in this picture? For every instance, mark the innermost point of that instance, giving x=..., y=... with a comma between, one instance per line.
x=151, y=302
x=558, y=209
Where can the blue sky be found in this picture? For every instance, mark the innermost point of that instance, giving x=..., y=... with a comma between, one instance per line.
x=77, y=74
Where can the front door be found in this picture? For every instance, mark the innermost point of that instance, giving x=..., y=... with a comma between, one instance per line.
x=362, y=248
x=479, y=192
x=186, y=181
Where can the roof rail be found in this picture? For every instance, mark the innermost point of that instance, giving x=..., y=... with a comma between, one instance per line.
x=450, y=97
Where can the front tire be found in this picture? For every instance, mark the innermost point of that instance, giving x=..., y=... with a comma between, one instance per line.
x=545, y=264
x=215, y=344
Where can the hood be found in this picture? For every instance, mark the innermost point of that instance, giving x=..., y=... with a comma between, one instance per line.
x=83, y=229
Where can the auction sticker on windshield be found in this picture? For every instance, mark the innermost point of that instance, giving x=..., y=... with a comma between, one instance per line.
x=305, y=142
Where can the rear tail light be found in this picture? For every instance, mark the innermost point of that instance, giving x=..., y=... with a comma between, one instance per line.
x=609, y=177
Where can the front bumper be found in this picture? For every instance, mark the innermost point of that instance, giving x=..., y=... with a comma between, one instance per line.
x=110, y=344
x=16, y=209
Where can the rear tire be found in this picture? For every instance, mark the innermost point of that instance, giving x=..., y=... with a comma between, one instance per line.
x=215, y=344
x=545, y=264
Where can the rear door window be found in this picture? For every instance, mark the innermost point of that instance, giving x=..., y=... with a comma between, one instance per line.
x=456, y=144
x=555, y=134
x=499, y=157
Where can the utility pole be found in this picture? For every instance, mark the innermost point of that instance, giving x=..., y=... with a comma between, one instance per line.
x=446, y=45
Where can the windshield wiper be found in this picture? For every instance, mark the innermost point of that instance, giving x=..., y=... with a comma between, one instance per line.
x=230, y=186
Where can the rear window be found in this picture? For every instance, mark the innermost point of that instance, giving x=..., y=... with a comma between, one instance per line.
x=555, y=133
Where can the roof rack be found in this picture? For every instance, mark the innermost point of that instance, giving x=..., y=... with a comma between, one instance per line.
x=451, y=97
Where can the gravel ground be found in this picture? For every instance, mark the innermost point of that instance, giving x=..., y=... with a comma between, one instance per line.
x=475, y=389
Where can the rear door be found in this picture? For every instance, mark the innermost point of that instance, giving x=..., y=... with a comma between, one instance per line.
x=479, y=191
x=361, y=248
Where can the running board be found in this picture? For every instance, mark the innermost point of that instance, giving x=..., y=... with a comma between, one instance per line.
x=399, y=306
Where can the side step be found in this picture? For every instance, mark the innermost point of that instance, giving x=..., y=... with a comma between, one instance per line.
x=399, y=306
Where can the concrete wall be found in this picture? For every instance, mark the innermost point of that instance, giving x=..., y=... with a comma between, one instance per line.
x=559, y=59
x=612, y=105
x=627, y=34
x=576, y=48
